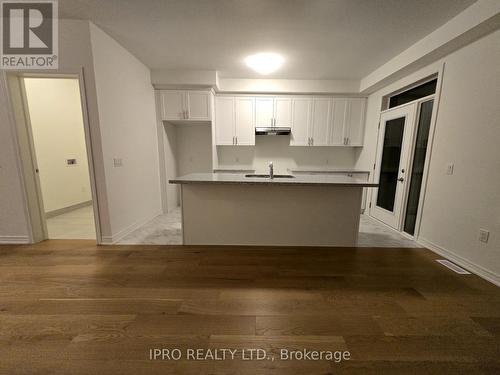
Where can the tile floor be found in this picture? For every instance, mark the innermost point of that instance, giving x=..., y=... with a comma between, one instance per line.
x=166, y=230
x=76, y=225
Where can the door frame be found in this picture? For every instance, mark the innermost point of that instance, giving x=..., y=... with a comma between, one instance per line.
x=35, y=226
x=437, y=98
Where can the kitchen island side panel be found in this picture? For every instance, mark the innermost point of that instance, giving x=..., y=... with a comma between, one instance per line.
x=270, y=215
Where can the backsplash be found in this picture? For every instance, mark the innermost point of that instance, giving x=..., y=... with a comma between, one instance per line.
x=284, y=156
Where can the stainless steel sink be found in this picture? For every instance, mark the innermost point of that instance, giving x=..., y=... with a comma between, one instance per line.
x=253, y=175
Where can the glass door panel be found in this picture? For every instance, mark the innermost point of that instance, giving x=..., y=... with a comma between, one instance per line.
x=417, y=170
x=389, y=167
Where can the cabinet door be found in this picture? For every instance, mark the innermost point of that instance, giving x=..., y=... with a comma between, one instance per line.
x=198, y=105
x=339, y=112
x=264, y=111
x=283, y=112
x=173, y=105
x=321, y=118
x=301, y=121
x=244, y=121
x=355, y=121
x=224, y=120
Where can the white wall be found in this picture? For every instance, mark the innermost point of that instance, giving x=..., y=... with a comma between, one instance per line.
x=58, y=134
x=194, y=149
x=467, y=134
x=128, y=131
x=284, y=156
x=74, y=55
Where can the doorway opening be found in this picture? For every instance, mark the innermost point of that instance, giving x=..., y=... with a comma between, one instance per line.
x=55, y=153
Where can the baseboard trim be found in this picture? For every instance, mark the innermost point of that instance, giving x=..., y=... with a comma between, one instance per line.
x=63, y=210
x=110, y=240
x=480, y=271
x=12, y=240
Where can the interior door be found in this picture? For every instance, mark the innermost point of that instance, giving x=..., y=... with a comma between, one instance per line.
x=244, y=121
x=391, y=167
x=264, y=111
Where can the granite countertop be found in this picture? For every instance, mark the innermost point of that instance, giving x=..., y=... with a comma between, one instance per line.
x=326, y=170
x=301, y=179
x=233, y=170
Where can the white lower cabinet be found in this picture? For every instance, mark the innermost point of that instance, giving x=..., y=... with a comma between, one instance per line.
x=234, y=121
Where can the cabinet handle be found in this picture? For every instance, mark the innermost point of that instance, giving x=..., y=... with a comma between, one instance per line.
x=233, y=139
x=312, y=141
x=236, y=139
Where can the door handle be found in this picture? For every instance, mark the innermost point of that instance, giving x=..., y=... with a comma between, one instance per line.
x=401, y=179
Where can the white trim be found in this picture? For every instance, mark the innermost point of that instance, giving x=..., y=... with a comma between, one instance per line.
x=109, y=240
x=5, y=240
x=480, y=271
x=430, y=144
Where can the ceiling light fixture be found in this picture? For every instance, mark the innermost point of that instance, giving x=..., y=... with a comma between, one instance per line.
x=265, y=62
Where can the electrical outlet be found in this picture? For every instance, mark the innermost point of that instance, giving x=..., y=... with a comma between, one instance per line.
x=117, y=162
x=449, y=168
x=484, y=235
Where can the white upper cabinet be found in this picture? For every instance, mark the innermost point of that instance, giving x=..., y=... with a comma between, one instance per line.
x=264, y=111
x=234, y=121
x=301, y=122
x=185, y=105
x=198, y=105
x=321, y=122
x=355, y=122
x=282, y=112
x=314, y=121
x=173, y=105
x=224, y=120
x=244, y=121
x=339, y=111
x=271, y=111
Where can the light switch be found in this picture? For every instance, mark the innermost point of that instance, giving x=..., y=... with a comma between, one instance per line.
x=449, y=168
x=117, y=162
x=484, y=235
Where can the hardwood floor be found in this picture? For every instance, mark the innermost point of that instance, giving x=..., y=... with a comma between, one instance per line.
x=70, y=307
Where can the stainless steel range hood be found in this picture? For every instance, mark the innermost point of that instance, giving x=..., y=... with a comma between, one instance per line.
x=271, y=130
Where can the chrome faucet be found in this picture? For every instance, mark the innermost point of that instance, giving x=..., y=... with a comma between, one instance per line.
x=271, y=170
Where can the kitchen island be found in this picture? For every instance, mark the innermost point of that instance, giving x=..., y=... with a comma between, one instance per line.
x=301, y=210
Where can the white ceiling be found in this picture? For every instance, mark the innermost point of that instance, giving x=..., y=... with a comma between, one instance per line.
x=320, y=39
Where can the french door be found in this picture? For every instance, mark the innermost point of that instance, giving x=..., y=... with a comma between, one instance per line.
x=392, y=164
